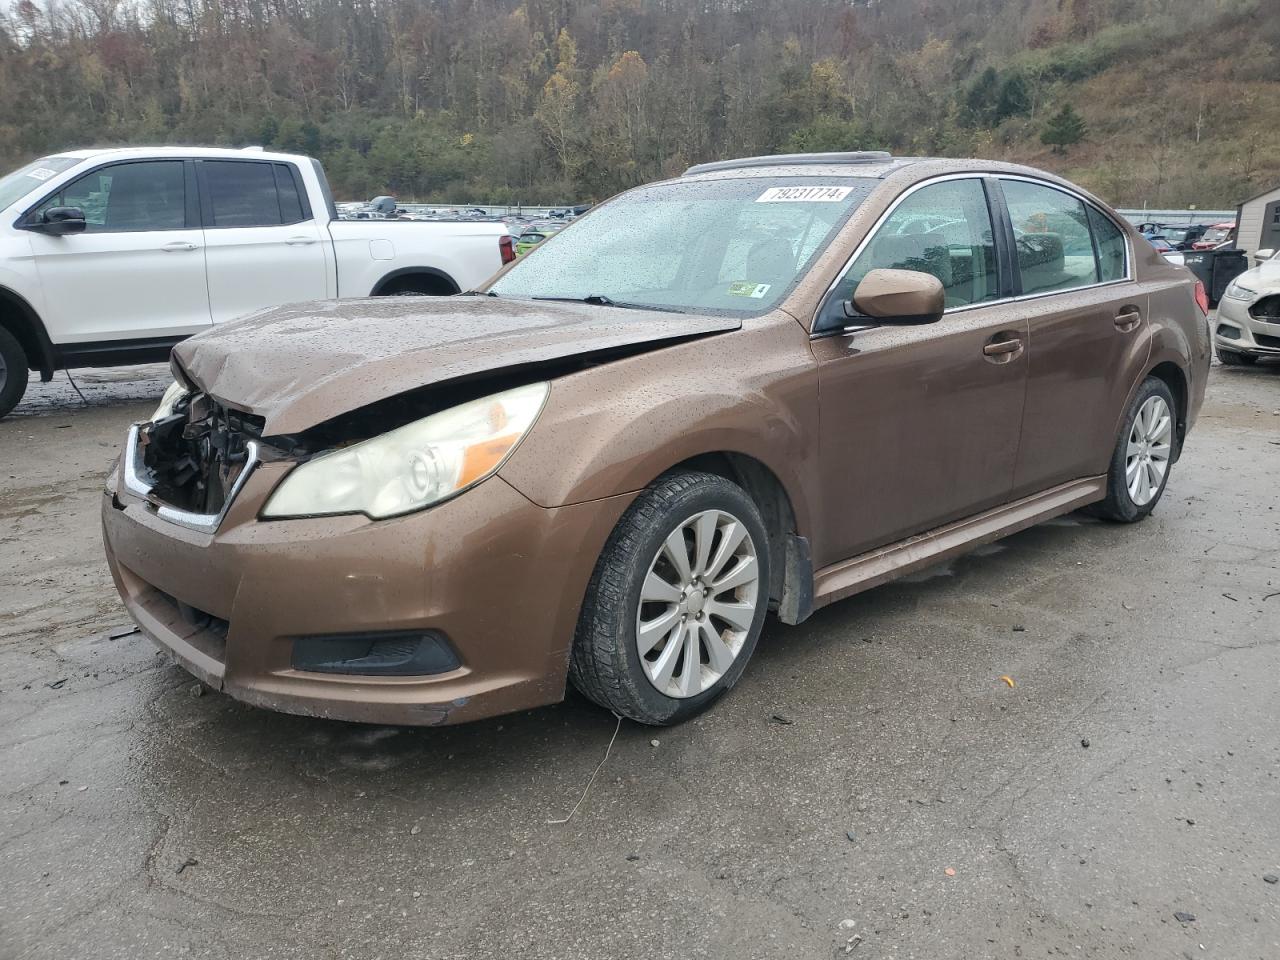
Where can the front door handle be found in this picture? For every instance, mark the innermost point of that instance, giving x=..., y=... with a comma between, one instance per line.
x=1128, y=319
x=1003, y=351
x=178, y=245
x=300, y=241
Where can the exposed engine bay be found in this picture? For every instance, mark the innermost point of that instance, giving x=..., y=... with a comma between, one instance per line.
x=194, y=455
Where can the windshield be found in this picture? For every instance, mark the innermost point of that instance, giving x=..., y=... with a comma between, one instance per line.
x=1216, y=233
x=1176, y=234
x=16, y=185
x=734, y=246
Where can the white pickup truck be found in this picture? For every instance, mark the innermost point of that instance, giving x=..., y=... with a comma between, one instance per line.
x=111, y=257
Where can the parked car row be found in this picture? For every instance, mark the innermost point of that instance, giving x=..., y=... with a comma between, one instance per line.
x=114, y=256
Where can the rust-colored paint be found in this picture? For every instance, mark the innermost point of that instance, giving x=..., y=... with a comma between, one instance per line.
x=894, y=446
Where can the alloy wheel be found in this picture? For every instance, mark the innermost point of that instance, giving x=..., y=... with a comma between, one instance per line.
x=697, y=604
x=1147, y=455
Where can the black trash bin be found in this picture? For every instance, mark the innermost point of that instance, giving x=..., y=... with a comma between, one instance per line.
x=1215, y=269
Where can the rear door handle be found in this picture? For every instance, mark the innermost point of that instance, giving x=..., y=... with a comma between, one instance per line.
x=178, y=245
x=300, y=241
x=1128, y=319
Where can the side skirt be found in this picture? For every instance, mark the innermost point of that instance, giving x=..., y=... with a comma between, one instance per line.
x=844, y=579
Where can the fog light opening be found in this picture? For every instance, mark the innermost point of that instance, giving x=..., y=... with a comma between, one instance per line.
x=393, y=654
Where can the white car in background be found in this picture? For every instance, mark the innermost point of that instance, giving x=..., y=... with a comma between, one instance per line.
x=1248, y=324
x=111, y=257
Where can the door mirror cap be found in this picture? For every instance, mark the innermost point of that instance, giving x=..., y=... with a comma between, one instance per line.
x=900, y=297
x=59, y=221
x=1263, y=255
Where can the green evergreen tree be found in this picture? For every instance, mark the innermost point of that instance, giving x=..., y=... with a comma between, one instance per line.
x=1063, y=129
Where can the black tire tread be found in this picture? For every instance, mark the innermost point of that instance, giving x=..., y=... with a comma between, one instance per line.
x=1118, y=507
x=15, y=384
x=597, y=666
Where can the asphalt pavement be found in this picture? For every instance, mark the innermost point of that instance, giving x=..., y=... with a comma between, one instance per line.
x=873, y=787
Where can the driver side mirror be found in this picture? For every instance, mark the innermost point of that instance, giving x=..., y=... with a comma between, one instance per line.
x=60, y=221
x=900, y=297
x=1261, y=256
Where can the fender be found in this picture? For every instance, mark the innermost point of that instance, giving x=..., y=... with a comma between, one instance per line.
x=418, y=272
x=602, y=434
x=21, y=319
x=1169, y=349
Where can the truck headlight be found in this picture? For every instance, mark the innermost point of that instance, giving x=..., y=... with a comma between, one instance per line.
x=169, y=400
x=413, y=466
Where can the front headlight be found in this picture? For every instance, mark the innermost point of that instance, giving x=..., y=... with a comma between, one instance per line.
x=413, y=466
x=170, y=399
x=1238, y=291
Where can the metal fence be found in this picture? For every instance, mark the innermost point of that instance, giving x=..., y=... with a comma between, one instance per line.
x=1178, y=217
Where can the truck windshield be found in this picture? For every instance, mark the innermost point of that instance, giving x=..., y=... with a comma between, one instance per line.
x=731, y=246
x=16, y=185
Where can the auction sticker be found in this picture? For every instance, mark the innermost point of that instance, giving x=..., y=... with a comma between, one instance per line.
x=745, y=288
x=41, y=173
x=804, y=195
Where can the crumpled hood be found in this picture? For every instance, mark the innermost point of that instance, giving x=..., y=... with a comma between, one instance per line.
x=302, y=364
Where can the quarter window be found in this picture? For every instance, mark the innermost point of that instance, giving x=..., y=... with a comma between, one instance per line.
x=128, y=197
x=943, y=229
x=1051, y=232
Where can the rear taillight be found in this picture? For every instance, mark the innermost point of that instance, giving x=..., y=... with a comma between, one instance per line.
x=1202, y=298
x=507, y=248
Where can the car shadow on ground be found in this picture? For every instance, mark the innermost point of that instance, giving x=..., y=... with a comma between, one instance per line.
x=558, y=746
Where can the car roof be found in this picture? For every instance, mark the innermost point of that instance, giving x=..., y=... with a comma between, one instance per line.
x=870, y=164
x=200, y=153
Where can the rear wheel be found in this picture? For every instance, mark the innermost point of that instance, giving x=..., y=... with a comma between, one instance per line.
x=677, y=601
x=13, y=371
x=1230, y=358
x=1143, y=455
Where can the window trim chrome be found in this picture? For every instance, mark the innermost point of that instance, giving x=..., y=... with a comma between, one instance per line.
x=978, y=176
x=202, y=522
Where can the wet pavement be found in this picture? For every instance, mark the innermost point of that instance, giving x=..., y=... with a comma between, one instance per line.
x=872, y=788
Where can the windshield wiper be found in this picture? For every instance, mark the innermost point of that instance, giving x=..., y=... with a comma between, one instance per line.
x=600, y=300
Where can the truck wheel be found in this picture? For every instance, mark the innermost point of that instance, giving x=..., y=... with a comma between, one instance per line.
x=13, y=371
x=1143, y=455
x=1230, y=358
x=677, y=601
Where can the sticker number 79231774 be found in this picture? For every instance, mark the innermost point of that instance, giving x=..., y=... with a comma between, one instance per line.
x=804, y=195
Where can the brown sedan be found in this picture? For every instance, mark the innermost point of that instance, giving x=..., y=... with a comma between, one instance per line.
x=762, y=386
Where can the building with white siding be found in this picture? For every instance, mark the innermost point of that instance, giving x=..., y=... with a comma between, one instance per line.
x=1258, y=222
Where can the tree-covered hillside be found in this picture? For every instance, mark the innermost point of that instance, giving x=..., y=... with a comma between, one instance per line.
x=1174, y=101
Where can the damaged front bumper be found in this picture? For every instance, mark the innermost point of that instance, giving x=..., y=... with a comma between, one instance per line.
x=491, y=578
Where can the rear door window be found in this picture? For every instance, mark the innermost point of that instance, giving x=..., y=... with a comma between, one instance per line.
x=244, y=193
x=1051, y=232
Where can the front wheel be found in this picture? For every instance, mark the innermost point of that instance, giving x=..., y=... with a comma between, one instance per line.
x=13, y=371
x=676, y=602
x=1143, y=455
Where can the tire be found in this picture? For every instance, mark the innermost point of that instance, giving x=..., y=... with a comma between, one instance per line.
x=1149, y=437
x=1230, y=358
x=607, y=665
x=13, y=371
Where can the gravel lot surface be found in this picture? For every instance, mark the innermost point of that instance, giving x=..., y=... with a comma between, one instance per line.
x=871, y=789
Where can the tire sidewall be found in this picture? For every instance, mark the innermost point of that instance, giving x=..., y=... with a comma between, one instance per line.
x=706, y=495
x=13, y=383
x=1119, y=493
